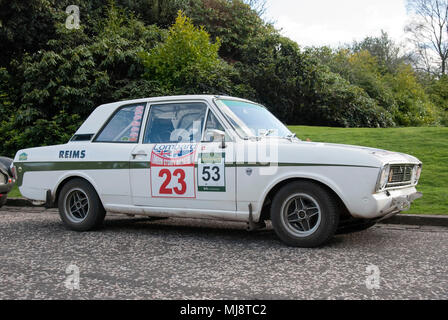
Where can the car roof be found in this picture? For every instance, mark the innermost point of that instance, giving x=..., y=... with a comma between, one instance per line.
x=102, y=113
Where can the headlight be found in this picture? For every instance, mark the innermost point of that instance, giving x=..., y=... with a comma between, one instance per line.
x=383, y=178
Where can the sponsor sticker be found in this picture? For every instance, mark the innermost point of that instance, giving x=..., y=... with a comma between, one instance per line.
x=23, y=156
x=136, y=124
x=172, y=171
x=212, y=172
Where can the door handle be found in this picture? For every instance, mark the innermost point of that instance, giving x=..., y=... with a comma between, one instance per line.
x=139, y=153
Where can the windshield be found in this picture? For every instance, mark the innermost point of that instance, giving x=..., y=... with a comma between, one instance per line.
x=250, y=119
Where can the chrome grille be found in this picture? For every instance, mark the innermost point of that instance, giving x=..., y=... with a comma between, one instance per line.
x=400, y=175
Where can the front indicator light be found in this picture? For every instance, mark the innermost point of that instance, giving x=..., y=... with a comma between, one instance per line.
x=418, y=172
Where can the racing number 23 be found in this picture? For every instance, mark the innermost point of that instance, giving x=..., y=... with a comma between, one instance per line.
x=173, y=182
x=180, y=175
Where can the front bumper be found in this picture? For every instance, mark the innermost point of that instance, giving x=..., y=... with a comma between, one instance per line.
x=385, y=204
x=401, y=203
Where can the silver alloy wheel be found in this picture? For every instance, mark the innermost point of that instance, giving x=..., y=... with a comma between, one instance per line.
x=301, y=215
x=76, y=205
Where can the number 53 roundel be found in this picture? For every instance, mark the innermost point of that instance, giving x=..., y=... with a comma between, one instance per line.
x=172, y=171
x=211, y=172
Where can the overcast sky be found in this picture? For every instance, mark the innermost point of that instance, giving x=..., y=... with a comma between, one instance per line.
x=336, y=22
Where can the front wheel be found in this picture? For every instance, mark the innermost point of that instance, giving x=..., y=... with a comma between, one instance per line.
x=346, y=227
x=80, y=208
x=304, y=214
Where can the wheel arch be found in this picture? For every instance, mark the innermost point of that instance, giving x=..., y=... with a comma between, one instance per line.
x=69, y=177
x=275, y=188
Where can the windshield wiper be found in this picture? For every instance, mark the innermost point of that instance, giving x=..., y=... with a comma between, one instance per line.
x=291, y=136
x=268, y=132
x=265, y=134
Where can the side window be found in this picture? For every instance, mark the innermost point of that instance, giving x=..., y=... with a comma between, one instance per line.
x=212, y=124
x=175, y=122
x=124, y=126
x=82, y=137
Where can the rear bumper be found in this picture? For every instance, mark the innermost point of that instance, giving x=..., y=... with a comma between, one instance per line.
x=5, y=188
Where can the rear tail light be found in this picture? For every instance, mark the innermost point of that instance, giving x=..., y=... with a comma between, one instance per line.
x=14, y=172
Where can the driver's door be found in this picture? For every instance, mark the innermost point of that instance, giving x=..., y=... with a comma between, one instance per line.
x=164, y=165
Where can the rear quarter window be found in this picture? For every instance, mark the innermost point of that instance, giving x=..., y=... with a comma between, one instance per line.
x=124, y=126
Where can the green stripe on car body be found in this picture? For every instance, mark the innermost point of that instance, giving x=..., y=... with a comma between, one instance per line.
x=23, y=167
x=287, y=164
x=140, y=165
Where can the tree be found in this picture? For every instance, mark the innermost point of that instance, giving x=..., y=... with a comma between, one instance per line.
x=429, y=34
x=187, y=61
x=25, y=26
x=396, y=89
x=51, y=77
x=234, y=22
x=53, y=90
x=260, y=6
x=384, y=49
x=413, y=105
x=299, y=89
x=160, y=12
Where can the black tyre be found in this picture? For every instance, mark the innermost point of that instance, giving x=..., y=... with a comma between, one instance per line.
x=354, y=226
x=80, y=207
x=304, y=214
x=3, y=199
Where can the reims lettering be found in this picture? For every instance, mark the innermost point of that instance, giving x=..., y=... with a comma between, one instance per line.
x=72, y=154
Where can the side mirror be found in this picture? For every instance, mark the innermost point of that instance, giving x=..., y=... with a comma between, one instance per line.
x=213, y=135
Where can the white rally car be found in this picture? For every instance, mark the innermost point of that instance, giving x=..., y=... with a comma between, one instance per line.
x=215, y=157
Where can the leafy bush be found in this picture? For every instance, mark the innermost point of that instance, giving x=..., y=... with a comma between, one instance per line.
x=300, y=90
x=437, y=89
x=398, y=92
x=51, y=78
x=414, y=107
x=188, y=62
x=338, y=103
x=233, y=22
x=74, y=75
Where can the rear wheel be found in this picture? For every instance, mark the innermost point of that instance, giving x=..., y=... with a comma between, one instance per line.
x=304, y=214
x=80, y=208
